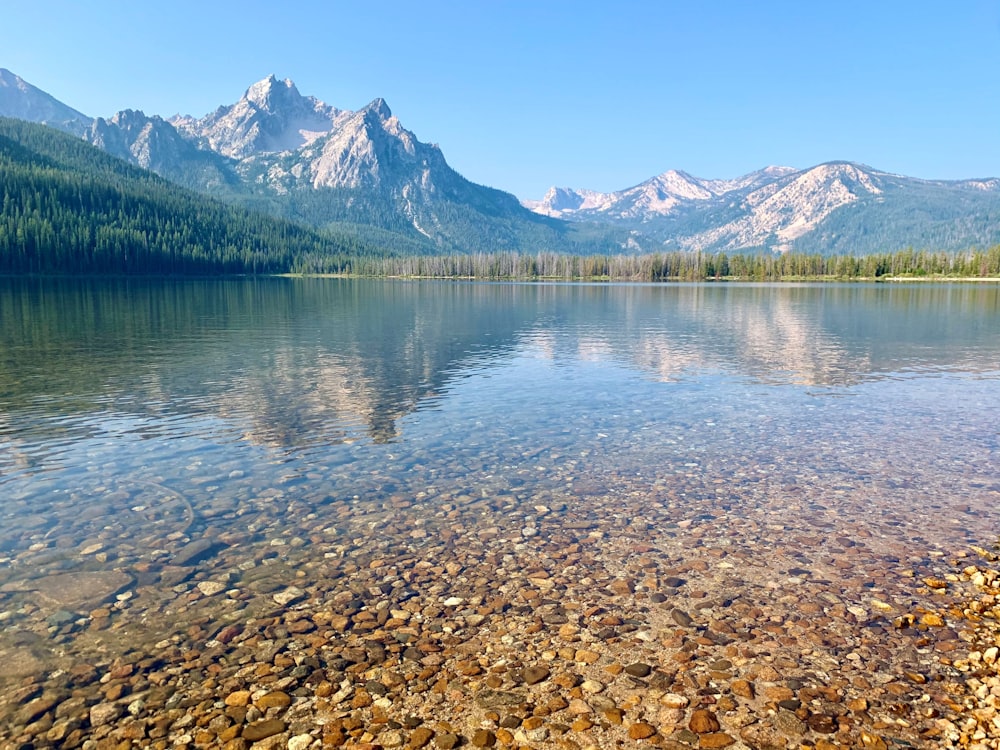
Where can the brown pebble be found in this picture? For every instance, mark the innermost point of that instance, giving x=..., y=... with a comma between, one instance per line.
x=420, y=737
x=681, y=617
x=262, y=729
x=274, y=699
x=614, y=715
x=484, y=738
x=586, y=656
x=822, y=723
x=638, y=669
x=641, y=731
x=535, y=674
x=715, y=740
x=742, y=688
x=447, y=741
x=703, y=721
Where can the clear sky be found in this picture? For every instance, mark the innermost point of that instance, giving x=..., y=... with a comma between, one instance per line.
x=522, y=95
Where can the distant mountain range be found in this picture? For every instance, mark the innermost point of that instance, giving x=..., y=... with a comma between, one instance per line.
x=363, y=173
x=838, y=207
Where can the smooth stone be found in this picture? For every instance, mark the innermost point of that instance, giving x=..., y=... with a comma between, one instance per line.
x=260, y=730
x=535, y=674
x=674, y=700
x=498, y=698
x=681, y=617
x=641, y=731
x=104, y=713
x=238, y=698
x=80, y=591
x=715, y=740
x=211, y=588
x=420, y=737
x=638, y=669
x=788, y=723
x=38, y=707
x=484, y=738
x=274, y=699
x=703, y=721
x=196, y=552
x=289, y=595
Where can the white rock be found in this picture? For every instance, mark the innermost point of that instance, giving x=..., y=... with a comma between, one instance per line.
x=210, y=588
x=289, y=595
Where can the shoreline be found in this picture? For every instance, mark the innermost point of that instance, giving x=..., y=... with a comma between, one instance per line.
x=556, y=631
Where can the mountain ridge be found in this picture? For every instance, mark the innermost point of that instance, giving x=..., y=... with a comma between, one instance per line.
x=776, y=208
x=362, y=171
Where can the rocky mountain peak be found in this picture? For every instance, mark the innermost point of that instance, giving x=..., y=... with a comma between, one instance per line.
x=379, y=108
x=270, y=94
x=271, y=117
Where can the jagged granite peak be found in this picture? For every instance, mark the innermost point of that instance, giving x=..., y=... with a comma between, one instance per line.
x=780, y=212
x=271, y=117
x=379, y=108
x=367, y=149
x=130, y=134
x=658, y=196
x=20, y=99
x=153, y=143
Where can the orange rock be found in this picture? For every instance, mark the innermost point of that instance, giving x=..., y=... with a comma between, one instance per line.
x=641, y=731
x=715, y=740
x=703, y=721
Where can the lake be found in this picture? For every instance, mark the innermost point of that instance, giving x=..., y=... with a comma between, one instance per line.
x=316, y=487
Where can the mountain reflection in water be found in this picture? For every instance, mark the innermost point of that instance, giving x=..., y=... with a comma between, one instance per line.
x=298, y=362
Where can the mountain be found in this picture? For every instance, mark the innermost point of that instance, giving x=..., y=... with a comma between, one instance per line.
x=271, y=116
x=20, y=99
x=355, y=173
x=363, y=174
x=658, y=196
x=153, y=143
x=838, y=207
x=68, y=207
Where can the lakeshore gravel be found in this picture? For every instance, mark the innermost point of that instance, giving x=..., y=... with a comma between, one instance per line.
x=578, y=616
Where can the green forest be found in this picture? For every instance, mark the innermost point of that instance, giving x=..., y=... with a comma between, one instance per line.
x=674, y=266
x=69, y=208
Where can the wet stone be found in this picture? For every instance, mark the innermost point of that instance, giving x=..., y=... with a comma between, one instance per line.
x=498, y=698
x=105, y=713
x=535, y=674
x=788, y=723
x=703, y=722
x=36, y=708
x=641, y=731
x=681, y=617
x=638, y=669
x=419, y=737
x=260, y=730
x=196, y=552
x=484, y=738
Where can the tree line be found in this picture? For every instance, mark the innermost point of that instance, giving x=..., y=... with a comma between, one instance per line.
x=673, y=266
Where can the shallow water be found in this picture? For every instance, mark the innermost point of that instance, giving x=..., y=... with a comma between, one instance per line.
x=301, y=423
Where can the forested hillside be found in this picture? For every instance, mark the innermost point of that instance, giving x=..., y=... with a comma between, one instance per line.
x=67, y=207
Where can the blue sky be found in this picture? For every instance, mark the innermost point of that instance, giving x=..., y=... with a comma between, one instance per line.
x=524, y=95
